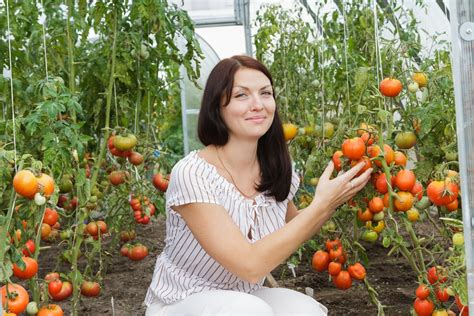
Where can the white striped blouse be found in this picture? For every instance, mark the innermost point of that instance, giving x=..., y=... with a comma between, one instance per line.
x=184, y=267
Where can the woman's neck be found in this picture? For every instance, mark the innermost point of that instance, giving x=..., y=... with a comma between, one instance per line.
x=239, y=155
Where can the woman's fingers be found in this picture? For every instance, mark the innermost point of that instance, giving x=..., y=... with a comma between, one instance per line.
x=359, y=182
x=351, y=173
x=328, y=171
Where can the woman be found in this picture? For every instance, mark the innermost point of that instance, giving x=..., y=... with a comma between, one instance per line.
x=230, y=215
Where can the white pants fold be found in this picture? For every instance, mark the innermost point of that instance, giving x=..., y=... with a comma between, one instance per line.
x=264, y=302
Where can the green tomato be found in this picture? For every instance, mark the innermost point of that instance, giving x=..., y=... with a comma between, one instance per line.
x=458, y=239
x=328, y=129
x=314, y=181
x=32, y=308
x=65, y=234
x=405, y=140
x=423, y=204
x=370, y=236
x=378, y=216
x=329, y=226
x=451, y=156
x=413, y=87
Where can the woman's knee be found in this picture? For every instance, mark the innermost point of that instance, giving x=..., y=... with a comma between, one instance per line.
x=289, y=302
x=220, y=302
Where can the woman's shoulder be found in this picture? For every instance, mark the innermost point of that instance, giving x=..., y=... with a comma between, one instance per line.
x=192, y=165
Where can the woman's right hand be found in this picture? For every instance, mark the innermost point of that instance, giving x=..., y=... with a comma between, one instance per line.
x=333, y=192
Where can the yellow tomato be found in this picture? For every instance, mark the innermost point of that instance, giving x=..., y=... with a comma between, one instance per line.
x=420, y=78
x=413, y=215
x=290, y=131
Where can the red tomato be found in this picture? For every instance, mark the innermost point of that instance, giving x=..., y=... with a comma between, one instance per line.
x=442, y=192
x=160, y=182
x=368, y=164
x=92, y=228
x=50, y=216
x=51, y=276
x=422, y=292
x=423, y=307
x=343, y=280
x=137, y=252
x=417, y=190
x=30, y=248
x=442, y=294
x=436, y=274
x=357, y=271
x=29, y=271
x=54, y=287
x=336, y=159
x=65, y=292
x=353, y=148
x=463, y=309
x=332, y=244
x=90, y=288
x=334, y=268
x=320, y=260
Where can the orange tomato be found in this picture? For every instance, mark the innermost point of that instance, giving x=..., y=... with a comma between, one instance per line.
x=400, y=159
x=353, y=148
x=45, y=185
x=453, y=206
x=403, y=202
x=51, y=310
x=18, y=299
x=375, y=151
x=25, y=184
x=364, y=216
x=390, y=87
x=45, y=231
x=405, y=180
x=376, y=204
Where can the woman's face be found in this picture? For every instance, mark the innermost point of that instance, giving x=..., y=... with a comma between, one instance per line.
x=251, y=109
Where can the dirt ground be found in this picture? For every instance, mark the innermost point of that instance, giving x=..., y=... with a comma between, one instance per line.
x=126, y=282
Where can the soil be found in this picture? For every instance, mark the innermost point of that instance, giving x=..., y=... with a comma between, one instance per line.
x=126, y=282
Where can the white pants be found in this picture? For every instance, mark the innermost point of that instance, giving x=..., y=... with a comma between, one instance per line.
x=264, y=302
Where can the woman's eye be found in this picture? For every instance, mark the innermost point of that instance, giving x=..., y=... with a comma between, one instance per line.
x=267, y=93
x=240, y=95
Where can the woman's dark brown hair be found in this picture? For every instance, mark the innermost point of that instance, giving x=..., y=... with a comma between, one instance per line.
x=272, y=150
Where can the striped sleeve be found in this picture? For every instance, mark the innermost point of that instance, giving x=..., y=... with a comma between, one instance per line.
x=295, y=183
x=190, y=182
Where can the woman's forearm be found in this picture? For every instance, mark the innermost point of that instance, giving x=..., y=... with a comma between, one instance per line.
x=270, y=251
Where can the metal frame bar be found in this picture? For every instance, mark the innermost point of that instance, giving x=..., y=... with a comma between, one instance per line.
x=462, y=13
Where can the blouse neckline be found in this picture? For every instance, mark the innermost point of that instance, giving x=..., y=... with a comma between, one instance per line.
x=257, y=199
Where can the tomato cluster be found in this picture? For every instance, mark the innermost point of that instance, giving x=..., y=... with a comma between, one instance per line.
x=142, y=213
x=333, y=260
x=135, y=252
x=30, y=186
